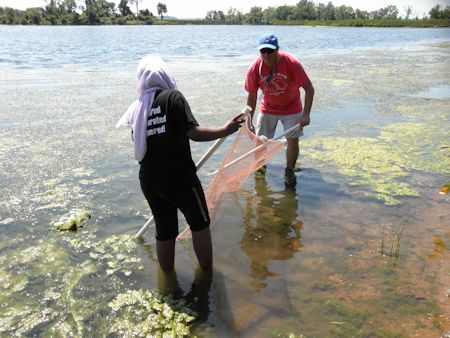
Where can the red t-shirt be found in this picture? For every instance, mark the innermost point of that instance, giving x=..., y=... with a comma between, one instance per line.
x=281, y=92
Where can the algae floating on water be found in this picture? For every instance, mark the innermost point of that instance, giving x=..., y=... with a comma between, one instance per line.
x=380, y=167
x=73, y=221
x=52, y=289
x=143, y=313
x=56, y=290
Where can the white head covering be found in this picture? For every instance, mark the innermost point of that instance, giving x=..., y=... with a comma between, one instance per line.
x=153, y=75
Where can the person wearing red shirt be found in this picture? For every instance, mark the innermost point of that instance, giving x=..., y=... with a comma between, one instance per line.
x=279, y=75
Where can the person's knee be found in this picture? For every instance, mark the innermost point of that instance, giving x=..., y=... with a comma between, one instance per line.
x=293, y=148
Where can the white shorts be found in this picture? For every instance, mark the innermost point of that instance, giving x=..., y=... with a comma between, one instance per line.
x=267, y=123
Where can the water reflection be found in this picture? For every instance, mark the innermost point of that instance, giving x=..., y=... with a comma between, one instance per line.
x=272, y=230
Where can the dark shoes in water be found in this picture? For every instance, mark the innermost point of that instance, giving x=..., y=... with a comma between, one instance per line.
x=289, y=177
x=261, y=172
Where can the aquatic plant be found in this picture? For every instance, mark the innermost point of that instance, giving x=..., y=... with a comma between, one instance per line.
x=49, y=289
x=24, y=299
x=397, y=232
x=55, y=194
x=347, y=321
x=401, y=302
x=143, y=313
x=73, y=221
x=380, y=167
x=115, y=253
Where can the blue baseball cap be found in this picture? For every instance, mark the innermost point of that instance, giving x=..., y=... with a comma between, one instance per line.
x=268, y=41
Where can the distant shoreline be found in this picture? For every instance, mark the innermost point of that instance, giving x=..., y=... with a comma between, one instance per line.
x=305, y=13
x=421, y=23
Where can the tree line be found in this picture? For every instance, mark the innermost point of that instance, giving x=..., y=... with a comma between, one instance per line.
x=86, y=12
x=306, y=10
x=104, y=12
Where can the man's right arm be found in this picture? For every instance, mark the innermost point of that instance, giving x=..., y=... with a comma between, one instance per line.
x=251, y=102
x=251, y=85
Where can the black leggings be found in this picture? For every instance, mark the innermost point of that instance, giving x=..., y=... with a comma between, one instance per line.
x=168, y=192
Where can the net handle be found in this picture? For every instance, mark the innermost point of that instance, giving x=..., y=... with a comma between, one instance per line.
x=198, y=165
x=240, y=158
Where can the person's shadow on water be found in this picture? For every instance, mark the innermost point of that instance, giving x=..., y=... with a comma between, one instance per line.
x=272, y=230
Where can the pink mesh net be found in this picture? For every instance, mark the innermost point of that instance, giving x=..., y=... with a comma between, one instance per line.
x=247, y=154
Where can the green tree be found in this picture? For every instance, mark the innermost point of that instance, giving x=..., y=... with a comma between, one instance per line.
x=145, y=16
x=215, y=17
x=51, y=7
x=123, y=8
x=388, y=12
x=91, y=15
x=344, y=13
x=234, y=16
x=283, y=12
x=161, y=9
x=321, y=11
x=106, y=8
x=209, y=16
x=269, y=15
x=221, y=17
x=305, y=10
x=330, y=12
x=10, y=16
x=255, y=16
x=437, y=13
x=361, y=14
x=391, y=12
x=33, y=16
x=67, y=6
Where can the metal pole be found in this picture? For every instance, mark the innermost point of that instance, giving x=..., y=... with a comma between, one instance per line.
x=287, y=132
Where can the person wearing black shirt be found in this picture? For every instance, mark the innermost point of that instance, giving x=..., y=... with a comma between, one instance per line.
x=162, y=125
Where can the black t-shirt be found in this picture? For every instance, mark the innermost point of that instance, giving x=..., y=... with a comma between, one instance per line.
x=168, y=148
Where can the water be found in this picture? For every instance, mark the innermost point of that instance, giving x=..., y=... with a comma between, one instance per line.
x=438, y=92
x=97, y=47
x=319, y=261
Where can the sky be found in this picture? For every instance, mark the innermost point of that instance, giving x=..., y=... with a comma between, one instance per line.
x=198, y=8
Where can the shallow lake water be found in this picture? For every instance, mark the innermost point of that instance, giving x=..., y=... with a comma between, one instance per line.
x=360, y=248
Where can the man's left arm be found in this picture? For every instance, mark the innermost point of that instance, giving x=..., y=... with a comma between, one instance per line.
x=309, y=97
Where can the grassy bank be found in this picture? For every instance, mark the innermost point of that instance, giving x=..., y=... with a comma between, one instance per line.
x=425, y=23
x=370, y=23
x=131, y=20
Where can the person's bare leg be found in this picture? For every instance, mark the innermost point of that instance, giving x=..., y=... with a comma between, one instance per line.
x=168, y=283
x=292, y=152
x=198, y=296
x=165, y=251
x=203, y=248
